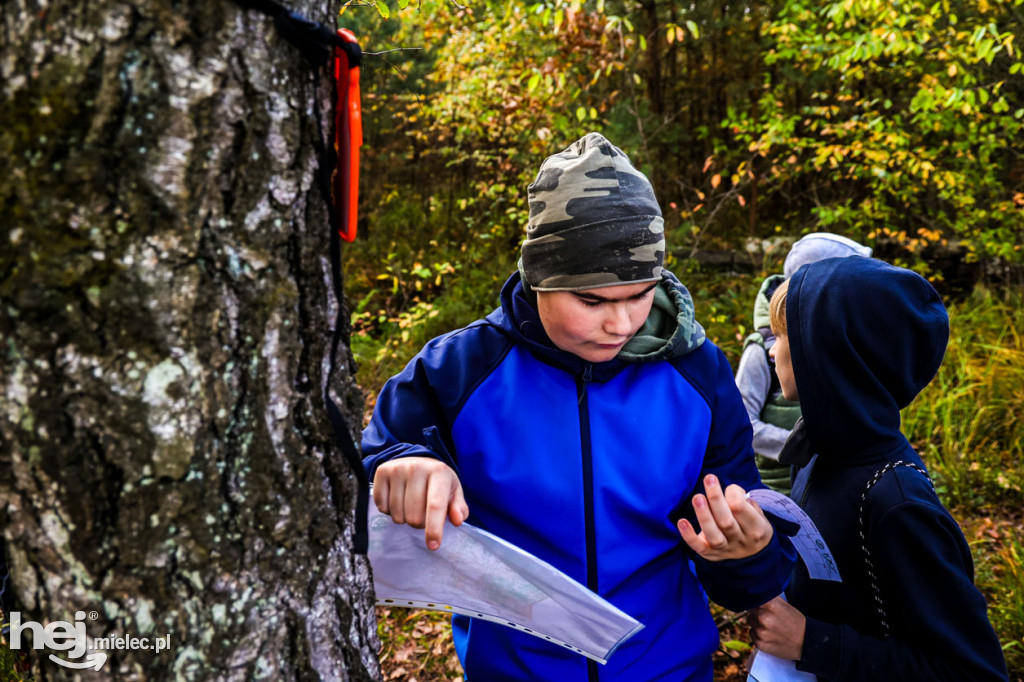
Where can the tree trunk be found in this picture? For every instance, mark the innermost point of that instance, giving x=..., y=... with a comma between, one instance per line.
x=166, y=463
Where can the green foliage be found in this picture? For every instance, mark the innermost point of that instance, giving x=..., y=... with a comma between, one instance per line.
x=383, y=342
x=890, y=123
x=900, y=117
x=724, y=305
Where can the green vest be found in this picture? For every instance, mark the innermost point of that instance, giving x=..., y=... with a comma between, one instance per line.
x=777, y=411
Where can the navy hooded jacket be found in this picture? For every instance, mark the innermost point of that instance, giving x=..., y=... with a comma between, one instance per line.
x=865, y=337
x=586, y=466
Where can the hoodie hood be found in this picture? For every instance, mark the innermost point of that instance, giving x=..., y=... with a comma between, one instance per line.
x=762, y=303
x=671, y=330
x=819, y=246
x=865, y=337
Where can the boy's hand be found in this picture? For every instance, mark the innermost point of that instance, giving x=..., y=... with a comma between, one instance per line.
x=732, y=526
x=420, y=491
x=778, y=628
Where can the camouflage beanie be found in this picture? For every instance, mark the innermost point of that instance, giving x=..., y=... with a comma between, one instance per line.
x=594, y=221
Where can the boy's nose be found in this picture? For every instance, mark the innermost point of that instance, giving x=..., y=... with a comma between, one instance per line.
x=617, y=322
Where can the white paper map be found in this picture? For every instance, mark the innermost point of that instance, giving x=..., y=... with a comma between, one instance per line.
x=808, y=541
x=768, y=668
x=478, y=574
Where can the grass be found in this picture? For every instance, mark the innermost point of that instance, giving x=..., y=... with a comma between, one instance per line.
x=14, y=665
x=965, y=424
x=416, y=646
x=997, y=543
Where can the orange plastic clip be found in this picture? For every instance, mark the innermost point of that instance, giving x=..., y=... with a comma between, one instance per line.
x=348, y=137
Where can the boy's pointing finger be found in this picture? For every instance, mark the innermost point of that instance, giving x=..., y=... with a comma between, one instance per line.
x=444, y=500
x=721, y=509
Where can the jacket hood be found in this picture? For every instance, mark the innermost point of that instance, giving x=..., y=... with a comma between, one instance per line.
x=763, y=301
x=819, y=246
x=865, y=337
x=671, y=329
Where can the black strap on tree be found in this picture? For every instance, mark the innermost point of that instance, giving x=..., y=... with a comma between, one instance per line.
x=312, y=38
x=316, y=42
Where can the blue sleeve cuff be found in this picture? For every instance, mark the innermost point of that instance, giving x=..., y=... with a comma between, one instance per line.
x=741, y=584
x=435, y=448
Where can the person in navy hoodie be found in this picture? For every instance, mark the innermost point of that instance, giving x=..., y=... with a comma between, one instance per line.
x=581, y=421
x=856, y=340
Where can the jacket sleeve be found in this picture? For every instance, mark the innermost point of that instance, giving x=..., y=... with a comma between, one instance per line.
x=753, y=379
x=414, y=412
x=405, y=421
x=409, y=417
x=940, y=630
x=736, y=584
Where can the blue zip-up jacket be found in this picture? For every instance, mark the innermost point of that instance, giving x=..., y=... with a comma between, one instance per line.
x=586, y=466
x=865, y=337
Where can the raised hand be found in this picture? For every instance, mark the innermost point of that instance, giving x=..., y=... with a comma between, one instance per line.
x=732, y=526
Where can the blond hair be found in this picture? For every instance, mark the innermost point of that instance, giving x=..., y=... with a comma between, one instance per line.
x=777, y=309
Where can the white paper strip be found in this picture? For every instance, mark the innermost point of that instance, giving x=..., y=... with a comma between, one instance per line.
x=808, y=541
x=768, y=668
x=478, y=574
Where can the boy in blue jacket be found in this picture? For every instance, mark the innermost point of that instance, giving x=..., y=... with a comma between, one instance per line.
x=856, y=340
x=580, y=420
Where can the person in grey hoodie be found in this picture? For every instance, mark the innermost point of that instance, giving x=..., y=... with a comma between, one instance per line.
x=771, y=415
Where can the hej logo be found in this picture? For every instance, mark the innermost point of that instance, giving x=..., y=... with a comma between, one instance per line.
x=59, y=635
x=70, y=637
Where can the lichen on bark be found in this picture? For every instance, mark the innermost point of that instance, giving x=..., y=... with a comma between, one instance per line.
x=165, y=457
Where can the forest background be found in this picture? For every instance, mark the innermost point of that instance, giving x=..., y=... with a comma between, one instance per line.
x=896, y=124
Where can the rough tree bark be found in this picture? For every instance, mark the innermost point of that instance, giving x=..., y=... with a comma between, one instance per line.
x=166, y=463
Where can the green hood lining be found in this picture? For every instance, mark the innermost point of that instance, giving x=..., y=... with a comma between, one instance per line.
x=761, y=303
x=671, y=328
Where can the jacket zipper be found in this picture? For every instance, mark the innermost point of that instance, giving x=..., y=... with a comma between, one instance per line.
x=588, y=493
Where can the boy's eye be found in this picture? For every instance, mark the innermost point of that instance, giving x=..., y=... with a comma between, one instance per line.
x=590, y=304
